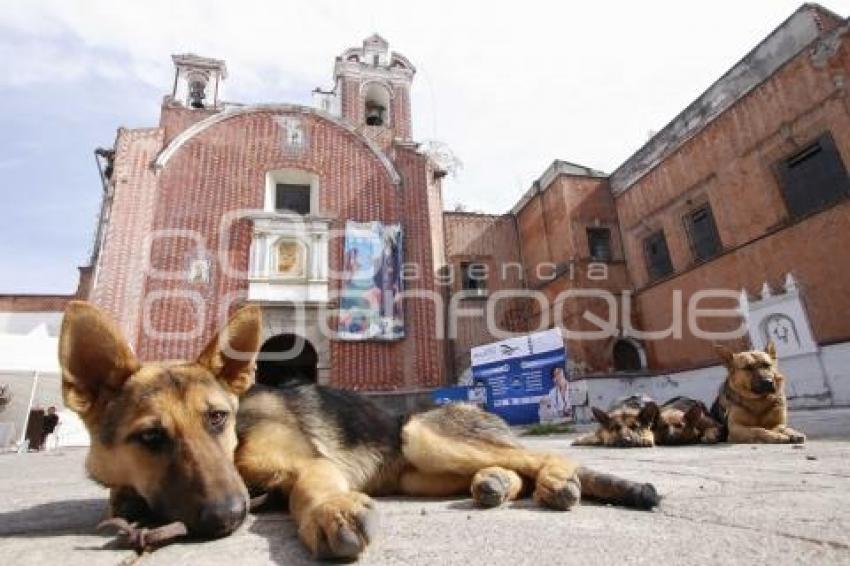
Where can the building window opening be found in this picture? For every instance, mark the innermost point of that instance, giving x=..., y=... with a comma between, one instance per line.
x=657, y=256
x=814, y=178
x=626, y=356
x=197, y=93
x=292, y=199
x=599, y=242
x=285, y=360
x=473, y=277
x=376, y=105
x=374, y=114
x=705, y=242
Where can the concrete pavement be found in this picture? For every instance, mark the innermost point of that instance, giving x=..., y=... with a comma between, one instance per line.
x=722, y=504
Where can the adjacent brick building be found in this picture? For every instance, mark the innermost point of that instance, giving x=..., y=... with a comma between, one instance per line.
x=746, y=190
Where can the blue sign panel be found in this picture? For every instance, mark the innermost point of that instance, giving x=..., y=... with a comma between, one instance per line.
x=447, y=395
x=460, y=394
x=518, y=374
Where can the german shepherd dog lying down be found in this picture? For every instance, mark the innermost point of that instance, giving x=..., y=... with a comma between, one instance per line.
x=627, y=424
x=683, y=420
x=638, y=422
x=751, y=403
x=186, y=441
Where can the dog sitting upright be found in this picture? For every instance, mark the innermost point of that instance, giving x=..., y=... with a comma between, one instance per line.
x=751, y=403
x=179, y=441
x=627, y=424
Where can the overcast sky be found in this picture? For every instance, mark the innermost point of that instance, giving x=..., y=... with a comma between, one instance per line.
x=509, y=88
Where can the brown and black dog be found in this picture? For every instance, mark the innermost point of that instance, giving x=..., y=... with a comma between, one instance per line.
x=627, y=424
x=180, y=441
x=683, y=420
x=751, y=403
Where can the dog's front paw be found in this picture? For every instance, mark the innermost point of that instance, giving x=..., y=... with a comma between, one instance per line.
x=558, y=487
x=795, y=437
x=493, y=486
x=340, y=527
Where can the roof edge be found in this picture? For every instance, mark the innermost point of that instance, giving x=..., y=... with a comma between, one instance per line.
x=783, y=44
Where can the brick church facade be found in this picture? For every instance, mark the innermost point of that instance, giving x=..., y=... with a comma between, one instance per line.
x=192, y=223
x=746, y=190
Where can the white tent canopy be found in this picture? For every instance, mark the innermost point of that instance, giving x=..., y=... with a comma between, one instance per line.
x=34, y=351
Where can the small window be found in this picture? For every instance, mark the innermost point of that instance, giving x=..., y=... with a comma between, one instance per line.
x=599, y=242
x=657, y=256
x=705, y=243
x=814, y=178
x=292, y=198
x=473, y=277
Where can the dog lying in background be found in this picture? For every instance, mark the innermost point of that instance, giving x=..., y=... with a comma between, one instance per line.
x=683, y=420
x=185, y=441
x=638, y=422
x=751, y=403
x=627, y=424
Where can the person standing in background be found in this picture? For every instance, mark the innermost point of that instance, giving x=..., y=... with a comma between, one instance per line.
x=48, y=427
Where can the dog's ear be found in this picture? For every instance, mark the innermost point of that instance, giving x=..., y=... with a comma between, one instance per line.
x=94, y=357
x=726, y=355
x=601, y=416
x=693, y=416
x=231, y=354
x=649, y=414
x=770, y=350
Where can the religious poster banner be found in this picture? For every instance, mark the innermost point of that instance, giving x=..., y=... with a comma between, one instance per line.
x=370, y=303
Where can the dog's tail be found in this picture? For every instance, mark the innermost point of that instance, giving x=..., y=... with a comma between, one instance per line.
x=606, y=488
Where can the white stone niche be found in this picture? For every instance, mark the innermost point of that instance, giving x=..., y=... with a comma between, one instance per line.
x=780, y=317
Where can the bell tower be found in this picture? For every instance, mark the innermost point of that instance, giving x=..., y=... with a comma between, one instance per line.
x=198, y=81
x=371, y=90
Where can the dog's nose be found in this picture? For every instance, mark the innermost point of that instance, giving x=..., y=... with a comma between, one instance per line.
x=222, y=517
x=766, y=386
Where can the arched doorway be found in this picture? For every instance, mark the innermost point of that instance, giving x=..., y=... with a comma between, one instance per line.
x=627, y=356
x=287, y=359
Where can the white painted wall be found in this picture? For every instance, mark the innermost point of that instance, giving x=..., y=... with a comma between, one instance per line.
x=836, y=363
x=813, y=380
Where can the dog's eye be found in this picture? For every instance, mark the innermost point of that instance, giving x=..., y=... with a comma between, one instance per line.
x=152, y=438
x=217, y=418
